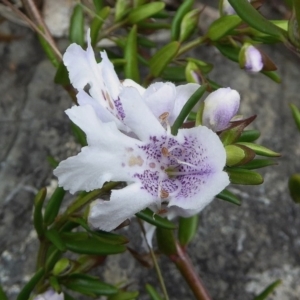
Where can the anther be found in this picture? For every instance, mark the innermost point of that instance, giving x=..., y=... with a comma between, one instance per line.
x=164, y=194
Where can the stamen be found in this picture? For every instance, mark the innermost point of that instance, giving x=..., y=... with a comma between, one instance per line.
x=165, y=151
x=163, y=117
x=164, y=194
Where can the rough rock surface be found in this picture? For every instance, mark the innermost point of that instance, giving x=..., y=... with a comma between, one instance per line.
x=238, y=250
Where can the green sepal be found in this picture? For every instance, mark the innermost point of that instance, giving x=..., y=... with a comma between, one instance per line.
x=152, y=292
x=55, y=284
x=131, y=69
x=53, y=206
x=163, y=57
x=30, y=285
x=272, y=75
x=229, y=197
x=88, y=285
x=145, y=11
x=189, y=24
x=97, y=23
x=232, y=134
x=187, y=229
x=294, y=187
x=238, y=155
x=2, y=294
x=252, y=17
x=249, y=136
x=245, y=177
x=83, y=244
x=202, y=65
x=259, y=163
x=61, y=266
x=150, y=217
x=37, y=213
x=195, y=97
x=267, y=292
x=166, y=241
x=54, y=237
x=296, y=115
x=62, y=75
x=174, y=74
x=76, y=30
x=124, y=295
x=260, y=150
x=223, y=26
x=192, y=73
x=183, y=9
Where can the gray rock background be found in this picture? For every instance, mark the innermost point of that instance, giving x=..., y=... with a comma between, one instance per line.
x=238, y=250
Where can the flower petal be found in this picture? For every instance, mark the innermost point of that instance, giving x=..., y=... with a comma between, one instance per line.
x=138, y=117
x=123, y=204
x=131, y=83
x=183, y=93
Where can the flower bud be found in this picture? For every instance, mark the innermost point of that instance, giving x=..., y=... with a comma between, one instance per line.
x=219, y=108
x=251, y=58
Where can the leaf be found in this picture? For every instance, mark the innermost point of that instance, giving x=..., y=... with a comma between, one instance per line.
x=30, y=285
x=124, y=295
x=222, y=26
x=79, y=134
x=267, y=292
x=76, y=30
x=37, y=213
x=294, y=187
x=150, y=217
x=183, y=9
x=259, y=163
x=88, y=285
x=166, y=241
x=122, y=8
x=249, y=136
x=131, y=69
x=62, y=75
x=296, y=115
x=97, y=23
x=163, y=57
x=245, y=177
x=196, y=96
x=187, y=229
x=152, y=292
x=145, y=11
x=252, y=17
x=260, y=150
x=229, y=197
x=272, y=75
x=2, y=294
x=175, y=74
x=53, y=206
x=229, y=51
x=53, y=236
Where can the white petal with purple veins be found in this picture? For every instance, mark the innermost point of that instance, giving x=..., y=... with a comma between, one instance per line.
x=219, y=108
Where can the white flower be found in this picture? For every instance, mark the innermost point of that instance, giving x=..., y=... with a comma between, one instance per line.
x=182, y=172
x=50, y=295
x=219, y=108
x=104, y=87
x=253, y=59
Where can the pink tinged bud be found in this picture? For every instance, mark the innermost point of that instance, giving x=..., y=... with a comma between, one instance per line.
x=253, y=59
x=219, y=108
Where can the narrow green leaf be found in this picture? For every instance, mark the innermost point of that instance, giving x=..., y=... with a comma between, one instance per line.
x=145, y=11
x=98, y=4
x=229, y=197
x=202, y=65
x=294, y=187
x=122, y=8
x=153, y=26
x=55, y=284
x=76, y=30
x=53, y=236
x=97, y=23
x=163, y=57
x=28, y=288
x=2, y=294
x=88, y=285
x=223, y=26
x=166, y=241
x=83, y=244
x=150, y=217
x=296, y=115
x=52, y=258
x=37, y=213
x=131, y=69
x=183, y=9
x=53, y=205
x=252, y=17
x=187, y=229
x=260, y=150
x=152, y=292
x=245, y=177
x=174, y=74
x=249, y=136
x=229, y=51
x=189, y=24
x=62, y=75
x=68, y=297
x=124, y=295
x=187, y=108
x=79, y=134
x=268, y=291
x=259, y=163
x=296, y=9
